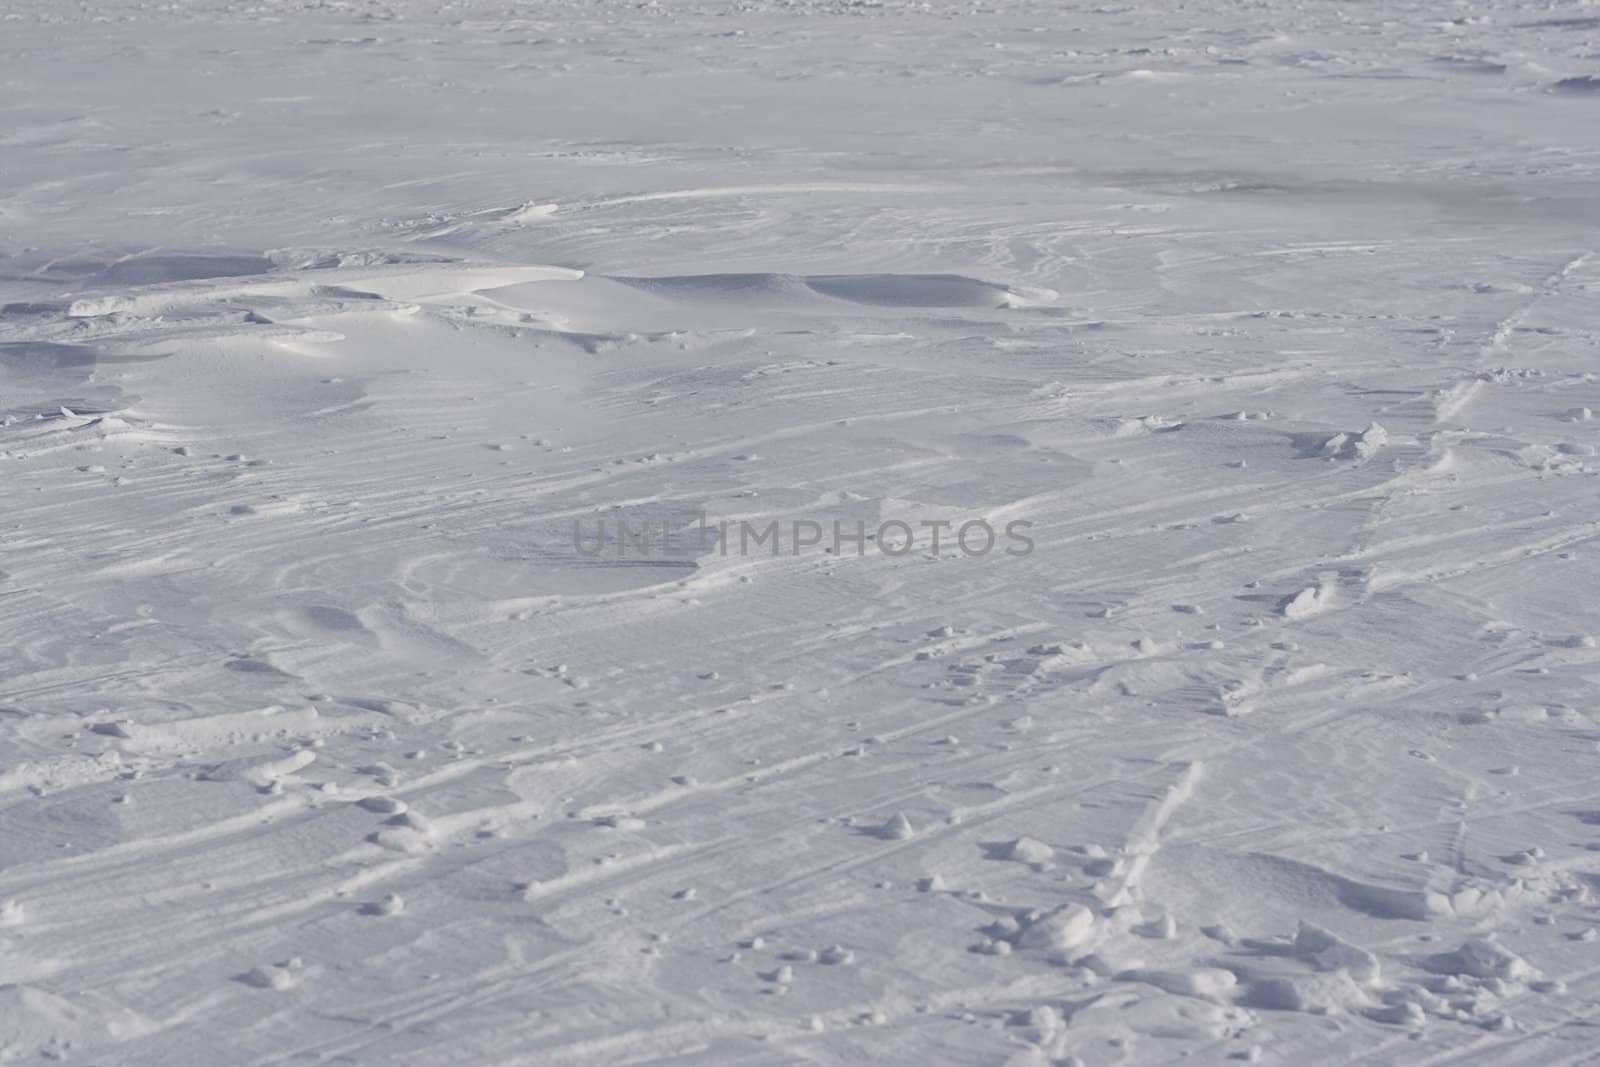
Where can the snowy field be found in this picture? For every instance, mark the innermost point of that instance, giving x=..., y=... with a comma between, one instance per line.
x=339, y=341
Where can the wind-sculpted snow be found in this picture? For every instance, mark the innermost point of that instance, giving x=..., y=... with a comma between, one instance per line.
x=813, y=532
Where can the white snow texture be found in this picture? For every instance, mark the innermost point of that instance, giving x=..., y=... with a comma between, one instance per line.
x=777, y=532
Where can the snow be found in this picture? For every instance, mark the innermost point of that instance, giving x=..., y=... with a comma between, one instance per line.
x=1095, y=506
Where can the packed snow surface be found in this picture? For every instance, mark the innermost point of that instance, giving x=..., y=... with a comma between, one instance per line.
x=426, y=432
